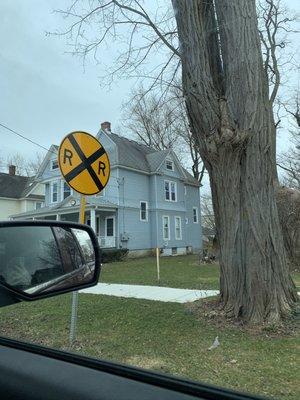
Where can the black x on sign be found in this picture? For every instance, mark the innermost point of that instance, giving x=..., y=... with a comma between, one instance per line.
x=84, y=163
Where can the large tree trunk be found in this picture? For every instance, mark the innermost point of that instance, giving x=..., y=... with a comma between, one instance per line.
x=226, y=94
x=255, y=283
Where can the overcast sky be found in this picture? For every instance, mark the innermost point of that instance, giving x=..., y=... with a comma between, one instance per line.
x=45, y=92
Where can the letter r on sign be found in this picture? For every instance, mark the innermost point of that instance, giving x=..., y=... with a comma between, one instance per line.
x=101, y=167
x=68, y=155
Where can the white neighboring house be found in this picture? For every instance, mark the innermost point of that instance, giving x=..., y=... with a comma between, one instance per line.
x=19, y=194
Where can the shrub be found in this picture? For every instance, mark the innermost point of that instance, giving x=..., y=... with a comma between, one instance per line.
x=110, y=255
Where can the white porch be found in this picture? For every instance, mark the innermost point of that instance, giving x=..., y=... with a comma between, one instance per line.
x=103, y=222
x=104, y=225
x=101, y=217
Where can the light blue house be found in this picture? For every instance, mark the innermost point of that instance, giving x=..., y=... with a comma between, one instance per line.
x=150, y=201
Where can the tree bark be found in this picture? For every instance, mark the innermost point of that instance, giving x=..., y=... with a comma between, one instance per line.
x=237, y=147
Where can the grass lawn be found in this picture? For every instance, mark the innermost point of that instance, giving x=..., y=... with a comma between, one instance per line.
x=178, y=272
x=164, y=337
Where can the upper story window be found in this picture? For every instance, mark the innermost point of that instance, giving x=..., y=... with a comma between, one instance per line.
x=166, y=227
x=66, y=190
x=169, y=165
x=195, y=215
x=144, y=211
x=54, y=164
x=170, y=191
x=54, y=192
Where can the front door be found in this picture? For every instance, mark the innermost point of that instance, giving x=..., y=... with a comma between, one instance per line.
x=110, y=232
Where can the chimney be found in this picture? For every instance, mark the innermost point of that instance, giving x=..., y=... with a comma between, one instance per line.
x=12, y=170
x=106, y=126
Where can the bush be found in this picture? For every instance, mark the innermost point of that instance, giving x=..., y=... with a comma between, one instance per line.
x=110, y=255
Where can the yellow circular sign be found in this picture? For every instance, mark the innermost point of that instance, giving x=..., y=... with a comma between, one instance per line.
x=84, y=163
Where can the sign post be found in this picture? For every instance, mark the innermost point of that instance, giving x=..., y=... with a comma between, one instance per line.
x=157, y=263
x=73, y=323
x=85, y=166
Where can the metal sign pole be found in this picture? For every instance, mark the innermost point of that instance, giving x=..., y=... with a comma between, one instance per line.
x=92, y=159
x=74, y=311
x=157, y=264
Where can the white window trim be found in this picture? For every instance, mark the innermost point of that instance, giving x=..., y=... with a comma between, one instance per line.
x=175, y=184
x=146, y=202
x=114, y=226
x=63, y=191
x=171, y=161
x=180, y=225
x=51, y=192
x=54, y=169
x=163, y=226
x=197, y=215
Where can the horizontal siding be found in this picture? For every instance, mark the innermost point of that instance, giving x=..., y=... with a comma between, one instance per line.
x=8, y=208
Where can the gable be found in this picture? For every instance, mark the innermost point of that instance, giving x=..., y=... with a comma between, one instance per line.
x=109, y=145
x=44, y=170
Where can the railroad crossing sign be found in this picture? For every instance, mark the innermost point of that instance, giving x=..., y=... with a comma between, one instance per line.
x=84, y=163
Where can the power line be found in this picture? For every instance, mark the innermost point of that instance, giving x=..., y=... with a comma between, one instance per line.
x=25, y=138
x=37, y=144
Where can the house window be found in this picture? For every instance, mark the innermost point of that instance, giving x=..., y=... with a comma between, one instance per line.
x=144, y=211
x=54, y=192
x=170, y=165
x=174, y=251
x=66, y=190
x=178, y=233
x=195, y=215
x=170, y=191
x=185, y=190
x=97, y=226
x=109, y=228
x=166, y=227
x=54, y=164
x=38, y=205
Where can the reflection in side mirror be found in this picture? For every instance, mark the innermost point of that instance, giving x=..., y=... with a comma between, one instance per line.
x=41, y=258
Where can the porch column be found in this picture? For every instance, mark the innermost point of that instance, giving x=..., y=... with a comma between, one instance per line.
x=57, y=217
x=93, y=219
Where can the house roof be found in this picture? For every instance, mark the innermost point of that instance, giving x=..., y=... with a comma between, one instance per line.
x=131, y=153
x=156, y=158
x=141, y=157
x=14, y=186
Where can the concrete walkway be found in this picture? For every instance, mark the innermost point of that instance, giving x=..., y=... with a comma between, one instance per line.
x=157, y=293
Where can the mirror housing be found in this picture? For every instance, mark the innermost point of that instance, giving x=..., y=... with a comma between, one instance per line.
x=40, y=259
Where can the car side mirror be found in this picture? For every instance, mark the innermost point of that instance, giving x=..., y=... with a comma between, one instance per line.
x=39, y=259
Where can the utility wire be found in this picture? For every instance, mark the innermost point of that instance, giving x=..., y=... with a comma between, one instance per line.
x=25, y=138
x=33, y=142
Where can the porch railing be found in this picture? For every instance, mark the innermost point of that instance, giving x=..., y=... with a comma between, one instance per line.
x=107, y=241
